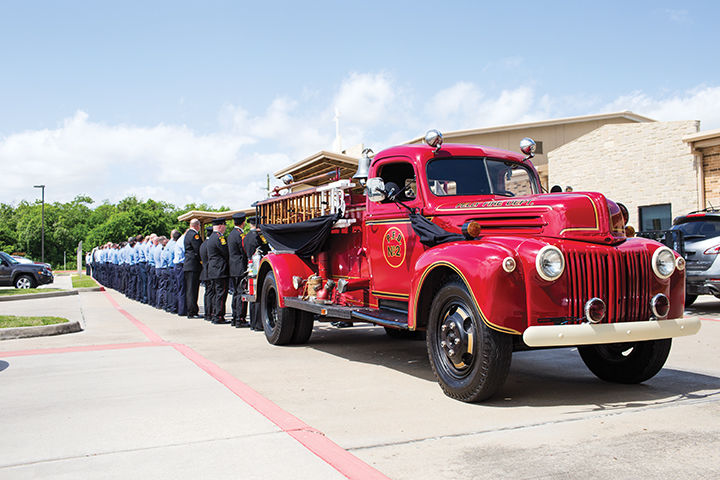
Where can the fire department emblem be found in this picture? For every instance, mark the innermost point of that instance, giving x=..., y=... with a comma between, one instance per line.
x=394, y=247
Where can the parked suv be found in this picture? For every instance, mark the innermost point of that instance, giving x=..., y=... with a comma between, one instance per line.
x=701, y=235
x=22, y=275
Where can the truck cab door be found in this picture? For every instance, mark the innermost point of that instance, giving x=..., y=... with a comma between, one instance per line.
x=390, y=242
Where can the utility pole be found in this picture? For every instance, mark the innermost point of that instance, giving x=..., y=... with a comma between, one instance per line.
x=42, y=245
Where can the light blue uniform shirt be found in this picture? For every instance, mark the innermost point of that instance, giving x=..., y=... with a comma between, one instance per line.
x=179, y=253
x=168, y=252
x=157, y=255
x=115, y=258
x=149, y=254
x=140, y=253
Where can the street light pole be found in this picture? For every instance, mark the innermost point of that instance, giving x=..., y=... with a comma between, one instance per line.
x=42, y=245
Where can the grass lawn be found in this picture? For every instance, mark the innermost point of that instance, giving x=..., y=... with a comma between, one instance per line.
x=82, y=281
x=23, y=291
x=10, y=321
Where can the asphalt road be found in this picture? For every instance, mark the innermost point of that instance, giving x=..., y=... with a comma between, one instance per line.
x=131, y=395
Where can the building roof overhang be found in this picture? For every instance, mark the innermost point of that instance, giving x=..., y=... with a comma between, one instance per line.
x=708, y=138
x=319, y=163
x=628, y=115
x=207, y=217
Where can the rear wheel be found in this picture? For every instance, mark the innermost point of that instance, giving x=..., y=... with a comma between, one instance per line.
x=25, y=281
x=690, y=299
x=303, y=327
x=278, y=322
x=469, y=359
x=632, y=362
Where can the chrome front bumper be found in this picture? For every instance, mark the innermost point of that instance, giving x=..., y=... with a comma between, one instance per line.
x=588, y=334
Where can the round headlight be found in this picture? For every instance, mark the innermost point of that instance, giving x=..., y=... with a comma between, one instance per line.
x=680, y=263
x=550, y=263
x=663, y=262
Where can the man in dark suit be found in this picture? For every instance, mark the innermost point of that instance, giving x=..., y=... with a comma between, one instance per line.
x=217, y=270
x=207, y=300
x=252, y=242
x=192, y=267
x=238, y=267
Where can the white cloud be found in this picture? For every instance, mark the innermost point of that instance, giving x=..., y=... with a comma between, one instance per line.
x=464, y=105
x=174, y=163
x=700, y=103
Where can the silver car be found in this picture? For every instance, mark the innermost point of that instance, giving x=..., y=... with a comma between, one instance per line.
x=701, y=235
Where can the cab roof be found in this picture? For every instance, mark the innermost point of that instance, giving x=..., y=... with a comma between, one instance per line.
x=426, y=152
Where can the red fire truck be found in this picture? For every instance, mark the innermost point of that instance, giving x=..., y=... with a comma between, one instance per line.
x=460, y=242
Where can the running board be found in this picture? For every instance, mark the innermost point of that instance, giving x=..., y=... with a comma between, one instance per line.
x=383, y=317
x=386, y=318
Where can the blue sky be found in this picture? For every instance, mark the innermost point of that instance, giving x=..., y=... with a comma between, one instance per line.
x=197, y=101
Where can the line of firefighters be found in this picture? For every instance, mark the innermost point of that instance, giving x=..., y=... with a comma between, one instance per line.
x=166, y=272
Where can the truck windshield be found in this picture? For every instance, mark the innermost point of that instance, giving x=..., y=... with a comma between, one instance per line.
x=479, y=176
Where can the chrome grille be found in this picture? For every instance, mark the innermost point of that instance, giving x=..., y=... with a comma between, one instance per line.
x=620, y=278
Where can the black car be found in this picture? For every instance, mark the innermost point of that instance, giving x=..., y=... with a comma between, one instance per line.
x=22, y=275
x=701, y=236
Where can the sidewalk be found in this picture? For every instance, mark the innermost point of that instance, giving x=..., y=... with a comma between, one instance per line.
x=116, y=401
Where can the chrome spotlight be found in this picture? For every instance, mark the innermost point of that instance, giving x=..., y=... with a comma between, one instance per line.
x=434, y=138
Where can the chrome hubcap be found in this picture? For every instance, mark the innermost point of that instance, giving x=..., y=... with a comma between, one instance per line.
x=457, y=337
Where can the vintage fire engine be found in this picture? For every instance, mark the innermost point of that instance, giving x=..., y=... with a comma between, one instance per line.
x=459, y=242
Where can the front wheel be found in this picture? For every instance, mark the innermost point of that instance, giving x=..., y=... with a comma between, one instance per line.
x=25, y=281
x=469, y=359
x=632, y=362
x=303, y=327
x=278, y=322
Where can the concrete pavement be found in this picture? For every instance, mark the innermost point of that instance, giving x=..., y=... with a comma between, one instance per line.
x=372, y=395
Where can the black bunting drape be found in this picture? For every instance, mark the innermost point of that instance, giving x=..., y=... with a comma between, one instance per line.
x=303, y=238
x=431, y=234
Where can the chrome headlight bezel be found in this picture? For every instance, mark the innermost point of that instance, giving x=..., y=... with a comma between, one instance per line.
x=540, y=260
x=669, y=261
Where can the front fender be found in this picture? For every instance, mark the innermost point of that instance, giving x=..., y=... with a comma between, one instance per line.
x=284, y=266
x=499, y=296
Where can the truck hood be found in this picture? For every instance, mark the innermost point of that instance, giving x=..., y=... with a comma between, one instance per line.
x=586, y=216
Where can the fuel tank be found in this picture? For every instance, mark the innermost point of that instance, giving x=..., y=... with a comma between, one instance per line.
x=586, y=216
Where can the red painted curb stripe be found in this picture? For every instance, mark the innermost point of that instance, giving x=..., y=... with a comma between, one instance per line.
x=711, y=319
x=152, y=336
x=85, y=348
x=315, y=441
x=331, y=453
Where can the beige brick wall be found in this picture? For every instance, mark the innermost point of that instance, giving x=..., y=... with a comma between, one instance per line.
x=636, y=164
x=711, y=170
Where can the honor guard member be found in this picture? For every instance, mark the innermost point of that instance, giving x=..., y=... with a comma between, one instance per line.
x=141, y=269
x=168, y=254
x=178, y=260
x=207, y=299
x=238, y=267
x=152, y=278
x=161, y=284
x=218, y=271
x=252, y=242
x=192, y=267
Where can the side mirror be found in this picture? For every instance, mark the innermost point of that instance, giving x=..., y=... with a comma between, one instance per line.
x=392, y=190
x=375, y=188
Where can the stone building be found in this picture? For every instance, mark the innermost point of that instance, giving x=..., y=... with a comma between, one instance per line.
x=548, y=134
x=647, y=166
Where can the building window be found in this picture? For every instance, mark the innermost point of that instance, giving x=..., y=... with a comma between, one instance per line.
x=538, y=148
x=655, y=217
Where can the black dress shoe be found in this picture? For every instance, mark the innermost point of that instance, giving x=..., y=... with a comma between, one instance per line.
x=241, y=324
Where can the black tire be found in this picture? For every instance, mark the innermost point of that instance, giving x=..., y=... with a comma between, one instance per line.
x=480, y=365
x=303, y=327
x=278, y=322
x=690, y=299
x=404, y=334
x=632, y=362
x=25, y=281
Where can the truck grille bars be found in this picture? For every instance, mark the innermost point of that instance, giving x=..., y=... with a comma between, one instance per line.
x=620, y=278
